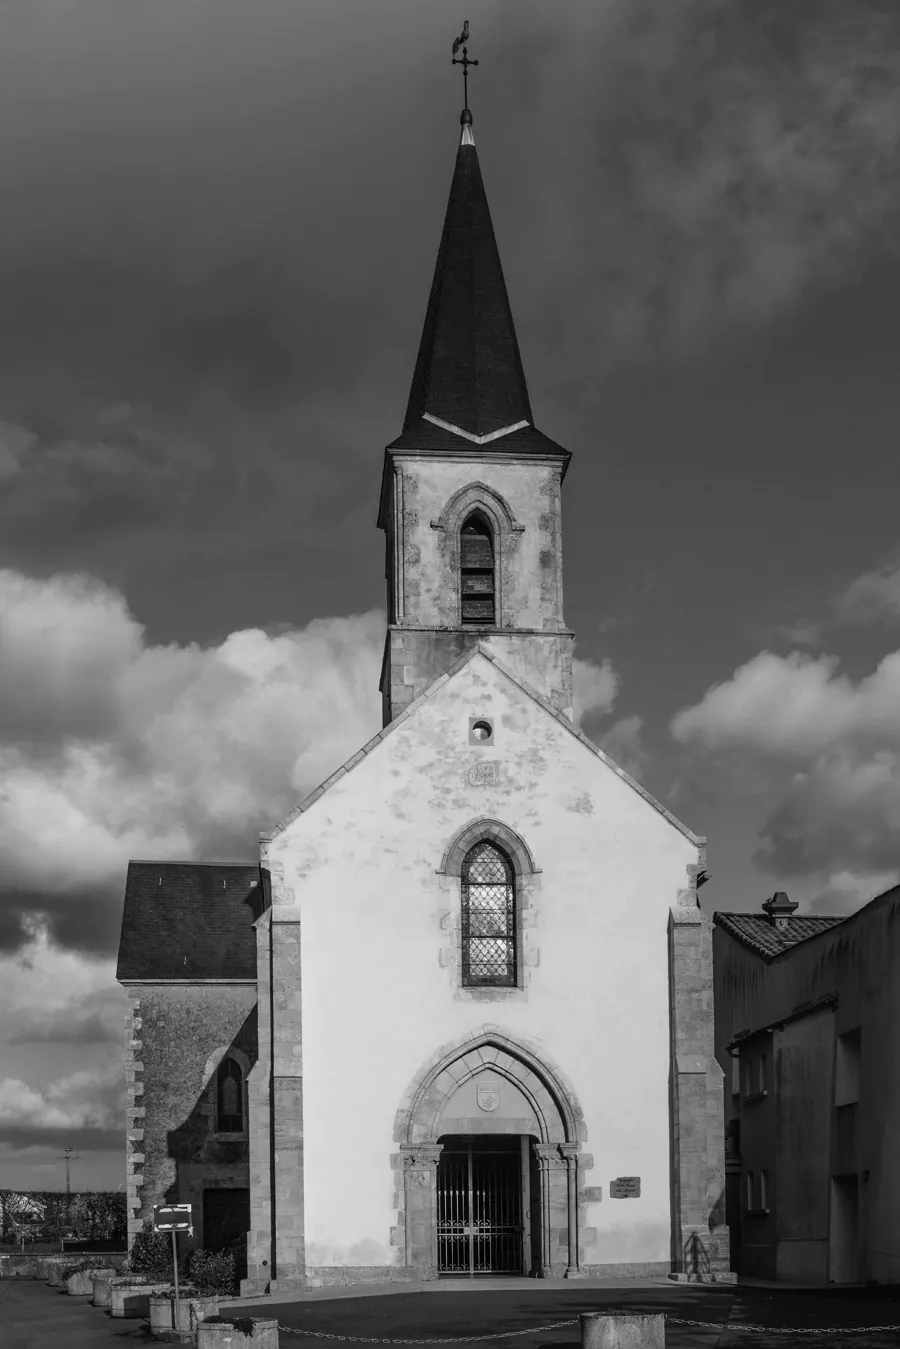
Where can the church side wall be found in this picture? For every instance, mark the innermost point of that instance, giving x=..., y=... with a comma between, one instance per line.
x=381, y=992
x=178, y=1034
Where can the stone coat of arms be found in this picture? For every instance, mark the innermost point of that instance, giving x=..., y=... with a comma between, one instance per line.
x=487, y=1094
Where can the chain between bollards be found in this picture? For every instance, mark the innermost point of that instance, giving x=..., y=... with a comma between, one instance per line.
x=556, y=1325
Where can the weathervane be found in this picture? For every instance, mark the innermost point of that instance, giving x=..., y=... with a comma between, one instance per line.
x=463, y=61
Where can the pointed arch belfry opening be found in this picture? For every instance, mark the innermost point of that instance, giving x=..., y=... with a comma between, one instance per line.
x=477, y=578
x=543, y=1113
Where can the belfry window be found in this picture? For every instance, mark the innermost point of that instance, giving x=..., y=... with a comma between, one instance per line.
x=488, y=918
x=230, y=1097
x=476, y=571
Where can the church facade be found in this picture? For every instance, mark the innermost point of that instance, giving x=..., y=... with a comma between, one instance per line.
x=459, y=1019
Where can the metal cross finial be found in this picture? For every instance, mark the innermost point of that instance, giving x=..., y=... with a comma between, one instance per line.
x=463, y=61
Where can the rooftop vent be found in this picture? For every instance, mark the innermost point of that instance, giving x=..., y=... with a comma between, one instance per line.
x=779, y=908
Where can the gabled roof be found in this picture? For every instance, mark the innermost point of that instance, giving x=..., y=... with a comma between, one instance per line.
x=758, y=932
x=432, y=689
x=188, y=921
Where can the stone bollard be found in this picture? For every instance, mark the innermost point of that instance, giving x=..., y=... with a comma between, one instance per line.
x=193, y=1308
x=132, y=1299
x=237, y=1332
x=103, y=1289
x=623, y=1330
x=57, y=1268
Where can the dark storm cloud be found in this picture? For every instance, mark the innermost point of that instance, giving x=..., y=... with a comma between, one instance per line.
x=86, y=920
x=23, y=1138
x=225, y=219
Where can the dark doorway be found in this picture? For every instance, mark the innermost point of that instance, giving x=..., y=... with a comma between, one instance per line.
x=226, y=1215
x=480, y=1227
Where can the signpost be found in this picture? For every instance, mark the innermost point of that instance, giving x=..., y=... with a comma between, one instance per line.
x=173, y=1218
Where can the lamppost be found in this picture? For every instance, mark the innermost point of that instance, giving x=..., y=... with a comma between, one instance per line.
x=67, y=1158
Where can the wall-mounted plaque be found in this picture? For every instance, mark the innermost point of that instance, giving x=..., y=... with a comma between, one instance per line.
x=593, y=1194
x=484, y=774
x=625, y=1187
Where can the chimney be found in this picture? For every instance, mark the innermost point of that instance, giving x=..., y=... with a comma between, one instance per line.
x=779, y=908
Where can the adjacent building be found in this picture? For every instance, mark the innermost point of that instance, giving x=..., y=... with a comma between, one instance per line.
x=807, y=1034
x=458, y=1019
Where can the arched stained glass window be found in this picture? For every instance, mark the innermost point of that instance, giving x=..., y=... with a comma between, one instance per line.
x=476, y=571
x=488, y=917
x=230, y=1097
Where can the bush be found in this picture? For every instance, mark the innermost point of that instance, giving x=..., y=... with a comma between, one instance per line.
x=212, y=1272
x=78, y=1265
x=151, y=1252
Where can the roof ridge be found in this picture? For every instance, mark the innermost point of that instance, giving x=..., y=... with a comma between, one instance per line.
x=184, y=862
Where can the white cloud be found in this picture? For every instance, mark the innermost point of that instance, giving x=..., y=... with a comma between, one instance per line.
x=794, y=706
x=47, y=993
x=872, y=596
x=594, y=688
x=82, y=1100
x=161, y=751
x=115, y=749
x=828, y=751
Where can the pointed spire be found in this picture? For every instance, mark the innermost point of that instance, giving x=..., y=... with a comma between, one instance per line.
x=468, y=376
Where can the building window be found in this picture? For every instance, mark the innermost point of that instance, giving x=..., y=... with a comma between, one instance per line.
x=748, y=1183
x=476, y=572
x=763, y=1196
x=761, y=1074
x=846, y=1068
x=488, y=918
x=229, y=1097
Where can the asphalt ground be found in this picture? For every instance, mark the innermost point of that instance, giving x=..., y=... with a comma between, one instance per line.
x=33, y=1316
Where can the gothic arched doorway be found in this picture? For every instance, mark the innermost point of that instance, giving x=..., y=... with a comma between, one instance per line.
x=490, y=1146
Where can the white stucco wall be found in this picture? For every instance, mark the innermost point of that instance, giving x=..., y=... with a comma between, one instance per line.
x=360, y=869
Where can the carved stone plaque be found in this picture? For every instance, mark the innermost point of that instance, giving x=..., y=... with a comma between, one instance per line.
x=485, y=774
x=487, y=1094
x=625, y=1187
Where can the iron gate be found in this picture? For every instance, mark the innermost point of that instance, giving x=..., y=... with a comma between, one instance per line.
x=479, y=1206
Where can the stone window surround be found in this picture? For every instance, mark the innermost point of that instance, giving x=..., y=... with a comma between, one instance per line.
x=505, y=529
x=527, y=886
x=209, y=1083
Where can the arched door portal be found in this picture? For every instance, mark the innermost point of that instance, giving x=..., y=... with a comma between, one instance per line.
x=490, y=1149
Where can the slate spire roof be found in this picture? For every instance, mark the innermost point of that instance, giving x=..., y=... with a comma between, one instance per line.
x=469, y=384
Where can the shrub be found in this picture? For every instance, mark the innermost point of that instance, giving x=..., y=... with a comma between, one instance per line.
x=211, y=1272
x=77, y=1266
x=151, y=1252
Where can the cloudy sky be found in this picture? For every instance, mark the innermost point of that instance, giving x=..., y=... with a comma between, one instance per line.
x=219, y=226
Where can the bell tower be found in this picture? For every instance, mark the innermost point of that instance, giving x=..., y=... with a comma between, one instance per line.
x=471, y=490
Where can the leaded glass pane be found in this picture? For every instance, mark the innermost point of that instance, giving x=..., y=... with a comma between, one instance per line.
x=488, y=917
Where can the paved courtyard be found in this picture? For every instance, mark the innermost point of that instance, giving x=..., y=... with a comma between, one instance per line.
x=33, y=1316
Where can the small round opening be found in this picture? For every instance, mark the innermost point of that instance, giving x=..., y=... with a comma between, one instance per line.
x=482, y=730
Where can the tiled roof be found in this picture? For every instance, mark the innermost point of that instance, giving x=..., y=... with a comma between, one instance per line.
x=189, y=920
x=759, y=933
x=468, y=372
